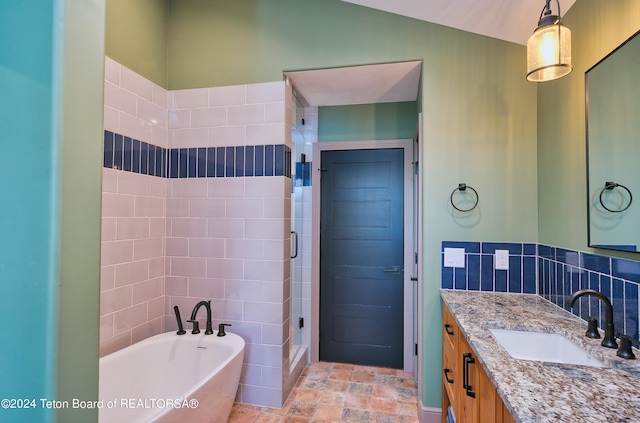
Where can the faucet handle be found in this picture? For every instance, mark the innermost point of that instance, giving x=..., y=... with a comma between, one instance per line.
x=592, y=327
x=625, y=350
x=196, y=326
x=221, y=331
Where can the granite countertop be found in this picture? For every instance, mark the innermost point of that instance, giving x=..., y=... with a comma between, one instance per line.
x=535, y=391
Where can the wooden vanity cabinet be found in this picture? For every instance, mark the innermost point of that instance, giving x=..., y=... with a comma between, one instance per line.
x=466, y=386
x=450, y=372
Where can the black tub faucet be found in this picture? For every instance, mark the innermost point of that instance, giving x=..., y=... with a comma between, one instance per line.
x=196, y=326
x=609, y=339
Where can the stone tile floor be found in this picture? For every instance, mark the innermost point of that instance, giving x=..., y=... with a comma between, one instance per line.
x=336, y=392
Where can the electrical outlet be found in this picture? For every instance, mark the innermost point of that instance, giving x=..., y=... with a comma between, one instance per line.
x=502, y=260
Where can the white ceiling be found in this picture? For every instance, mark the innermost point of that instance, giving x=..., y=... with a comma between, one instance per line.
x=380, y=83
x=510, y=20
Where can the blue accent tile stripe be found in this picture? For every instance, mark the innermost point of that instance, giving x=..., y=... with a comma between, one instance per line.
x=202, y=162
x=259, y=160
x=118, y=147
x=144, y=158
x=229, y=162
x=220, y=162
x=132, y=155
x=268, y=160
x=183, y=163
x=174, y=163
x=240, y=162
x=108, y=149
x=211, y=162
x=192, y=167
x=249, y=160
x=136, y=157
x=279, y=156
x=128, y=153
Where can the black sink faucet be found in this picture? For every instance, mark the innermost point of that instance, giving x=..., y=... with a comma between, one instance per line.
x=196, y=328
x=609, y=339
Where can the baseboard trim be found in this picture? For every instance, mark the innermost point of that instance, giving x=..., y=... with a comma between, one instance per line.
x=429, y=414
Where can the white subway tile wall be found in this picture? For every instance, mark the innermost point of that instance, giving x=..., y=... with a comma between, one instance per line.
x=132, y=294
x=177, y=238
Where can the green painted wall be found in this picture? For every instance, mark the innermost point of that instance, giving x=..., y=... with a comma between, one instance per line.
x=479, y=124
x=51, y=78
x=79, y=111
x=137, y=35
x=368, y=122
x=479, y=113
x=213, y=43
x=597, y=28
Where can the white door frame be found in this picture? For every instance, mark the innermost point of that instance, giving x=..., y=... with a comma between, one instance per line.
x=409, y=318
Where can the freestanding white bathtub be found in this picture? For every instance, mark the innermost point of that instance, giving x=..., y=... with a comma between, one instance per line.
x=171, y=378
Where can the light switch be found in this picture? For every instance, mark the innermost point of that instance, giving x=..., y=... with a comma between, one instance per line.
x=454, y=257
x=502, y=260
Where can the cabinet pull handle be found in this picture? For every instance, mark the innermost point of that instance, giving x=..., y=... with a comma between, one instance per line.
x=447, y=328
x=465, y=377
x=466, y=360
x=446, y=375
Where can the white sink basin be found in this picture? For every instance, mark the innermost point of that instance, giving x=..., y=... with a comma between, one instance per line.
x=543, y=347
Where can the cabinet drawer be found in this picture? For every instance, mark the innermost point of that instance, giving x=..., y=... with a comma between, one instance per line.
x=449, y=330
x=450, y=377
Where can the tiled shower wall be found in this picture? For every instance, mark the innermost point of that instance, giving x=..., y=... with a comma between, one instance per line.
x=228, y=237
x=221, y=216
x=132, y=302
x=553, y=273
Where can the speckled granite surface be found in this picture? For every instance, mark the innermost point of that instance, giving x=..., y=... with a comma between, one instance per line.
x=535, y=391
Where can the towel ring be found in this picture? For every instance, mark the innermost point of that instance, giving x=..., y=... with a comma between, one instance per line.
x=608, y=186
x=463, y=187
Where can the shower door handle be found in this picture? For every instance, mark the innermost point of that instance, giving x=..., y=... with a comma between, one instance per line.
x=394, y=269
x=295, y=245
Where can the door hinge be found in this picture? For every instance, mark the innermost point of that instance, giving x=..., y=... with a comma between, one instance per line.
x=415, y=257
x=415, y=351
x=300, y=322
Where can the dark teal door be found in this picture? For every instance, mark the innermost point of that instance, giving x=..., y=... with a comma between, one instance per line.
x=361, y=257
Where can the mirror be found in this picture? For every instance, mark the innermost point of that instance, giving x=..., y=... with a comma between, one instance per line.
x=613, y=149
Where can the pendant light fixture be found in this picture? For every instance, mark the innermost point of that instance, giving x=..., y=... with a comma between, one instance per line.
x=549, y=48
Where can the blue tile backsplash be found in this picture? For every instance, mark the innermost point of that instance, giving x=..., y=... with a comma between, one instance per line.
x=479, y=273
x=131, y=155
x=553, y=273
